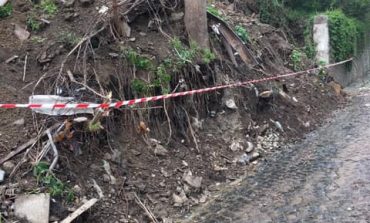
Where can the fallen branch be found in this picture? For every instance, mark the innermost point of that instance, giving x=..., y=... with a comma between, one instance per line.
x=147, y=211
x=25, y=68
x=80, y=210
x=30, y=143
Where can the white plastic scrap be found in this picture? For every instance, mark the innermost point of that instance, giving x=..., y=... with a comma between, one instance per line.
x=54, y=99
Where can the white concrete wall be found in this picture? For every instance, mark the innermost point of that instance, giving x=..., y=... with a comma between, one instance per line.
x=321, y=38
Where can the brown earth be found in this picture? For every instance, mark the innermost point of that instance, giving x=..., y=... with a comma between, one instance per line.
x=156, y=179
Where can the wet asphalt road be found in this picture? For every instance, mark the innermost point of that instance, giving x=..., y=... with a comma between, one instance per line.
x=324, y=179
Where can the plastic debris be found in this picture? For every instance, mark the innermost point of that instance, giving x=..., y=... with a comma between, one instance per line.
x=54, y=99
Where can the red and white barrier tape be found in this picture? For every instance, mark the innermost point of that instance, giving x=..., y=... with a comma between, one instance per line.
x=161, y=97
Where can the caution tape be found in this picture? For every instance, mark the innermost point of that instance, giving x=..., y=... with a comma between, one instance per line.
x=162, y=97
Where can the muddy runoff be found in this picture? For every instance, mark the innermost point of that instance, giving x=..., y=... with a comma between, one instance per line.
x=325, y=178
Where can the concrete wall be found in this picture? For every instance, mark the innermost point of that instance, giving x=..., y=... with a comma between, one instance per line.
x=360, y=68
x=344, y=74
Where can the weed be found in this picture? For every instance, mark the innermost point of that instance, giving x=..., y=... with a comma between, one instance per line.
x=69, y=39
x=33, y=24
x=140, y=86
x=163, y=79
x=242, y=33
x=54, y=185
x=214, y=11
x=49, y=7
x=6, y=10
x=37, y=39
x=208, y=56
x=296, y=59
x=140, y=62
x=344, y=33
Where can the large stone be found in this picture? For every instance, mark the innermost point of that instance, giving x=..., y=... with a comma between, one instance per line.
x=33, y=207
x=2, y=175
x=193, y=181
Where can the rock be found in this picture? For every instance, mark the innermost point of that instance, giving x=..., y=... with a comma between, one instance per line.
x=21, y=33
x=167, y=220
x=230, y=103
x=255, y=156
x=19, y=122
x=243, y=159
x=235, y=146
x=176, y=16
x=278, y=125
x=33, y=207
x=193, y=181
x=179, y=199
x=250, y=147
x=86, y=2
x=69, y=16
x=2, y=175
x=266, y=94
x=8, y=166
x=113, y=55
x=68, y=3
x=160, y=150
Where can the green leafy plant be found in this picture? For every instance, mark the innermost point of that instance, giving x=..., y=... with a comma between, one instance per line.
x=69, y=39
x=208, y=56
x=33, y=24
x=185, y=54
x=214, y=11
x=242, y=33
x=140, y=86
x=140, y=62
x=344, y=32
x=6, y=10
x=163, y=79
x=54, y=185
x=49, y=7
x=296, y=59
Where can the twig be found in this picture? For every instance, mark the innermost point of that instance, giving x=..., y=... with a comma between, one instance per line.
x=98, y=189
x=25, y=67
x=169, y=122
x=191, y=130
x=56, y=154
x=147, y=211
x=31, y=143
x=72, y=79
x=80, y=210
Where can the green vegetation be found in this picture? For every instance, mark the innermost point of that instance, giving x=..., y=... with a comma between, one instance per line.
x=49, y=7
x=296, y=59
x=6, y=10
x=191, y=54
x=69, y=39
x=33, y=24
x=347, y=21
x=140, y=62
x=183, y=55
x=242, y=33
x=54, y=185
x=214, y=11
x=344, y=32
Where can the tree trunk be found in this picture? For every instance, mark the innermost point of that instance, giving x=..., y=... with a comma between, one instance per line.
x=196, y=22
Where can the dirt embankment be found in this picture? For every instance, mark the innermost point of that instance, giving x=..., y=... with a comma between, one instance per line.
x=195, y=144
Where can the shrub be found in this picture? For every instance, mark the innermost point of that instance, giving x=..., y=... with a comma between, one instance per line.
x=344, y=32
